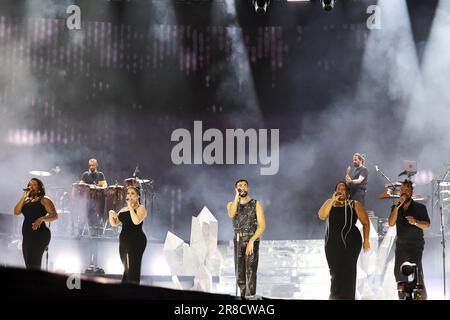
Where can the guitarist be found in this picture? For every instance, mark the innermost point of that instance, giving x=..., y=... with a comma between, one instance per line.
x=357, y=179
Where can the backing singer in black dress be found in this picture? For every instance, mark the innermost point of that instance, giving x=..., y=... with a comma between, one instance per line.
x=132, y=240
x=36, y=209
x=343, y=240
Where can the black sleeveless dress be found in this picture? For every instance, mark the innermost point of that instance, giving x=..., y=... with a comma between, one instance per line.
x=343, y=244
x=132, y=243
x=36, y=241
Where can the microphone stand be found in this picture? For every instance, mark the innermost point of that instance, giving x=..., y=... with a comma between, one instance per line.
x=441, y=215
x=237, y=249
x=381, y=172
x=236, y=260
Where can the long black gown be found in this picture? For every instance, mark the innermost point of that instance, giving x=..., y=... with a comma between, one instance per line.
x=343, y=244
x=132, y=243
x=36, y=241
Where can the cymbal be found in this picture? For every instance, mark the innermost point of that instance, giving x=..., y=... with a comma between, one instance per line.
x=143, y=180
x=396, y=184
x=116, y=186
x=40, y=173
x=387, y=196
x=62, y=211
x=94, y=187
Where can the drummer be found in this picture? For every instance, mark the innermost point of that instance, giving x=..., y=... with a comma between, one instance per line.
x=96, y=201
x=93, y=176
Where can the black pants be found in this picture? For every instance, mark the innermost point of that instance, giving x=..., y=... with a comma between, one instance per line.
x=93, y=219
x=131, y=249
x=34, y=244
x=247, y=266
x=359, y=196
x=410, y=251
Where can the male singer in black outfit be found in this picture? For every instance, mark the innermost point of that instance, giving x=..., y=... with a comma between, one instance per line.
x=411, y=218
x=357, y=181
x=248, y=224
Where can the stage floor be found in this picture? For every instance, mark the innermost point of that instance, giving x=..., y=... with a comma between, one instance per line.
x=288, y=269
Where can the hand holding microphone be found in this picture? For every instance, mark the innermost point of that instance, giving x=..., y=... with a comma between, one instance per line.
x=127, y=199
x=336, y=197
x=401, y=201
x=26, y=192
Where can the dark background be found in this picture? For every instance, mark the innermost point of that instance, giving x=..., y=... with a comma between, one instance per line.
x=137, y=70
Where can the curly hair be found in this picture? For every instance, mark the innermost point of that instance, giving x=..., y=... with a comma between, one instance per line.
x=408, y=183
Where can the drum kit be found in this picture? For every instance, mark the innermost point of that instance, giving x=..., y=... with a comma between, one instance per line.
x=392, y=191
x=84, y=211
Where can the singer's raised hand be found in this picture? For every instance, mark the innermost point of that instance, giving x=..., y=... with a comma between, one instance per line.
x=335, y=197
x=401, y=201
x=26, y=193
x=113, y=214
x=348, y=179
x=113, y=218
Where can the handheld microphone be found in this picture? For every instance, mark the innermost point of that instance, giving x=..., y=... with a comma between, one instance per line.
x=400, y=203
x=26, y=189
x=239, y=190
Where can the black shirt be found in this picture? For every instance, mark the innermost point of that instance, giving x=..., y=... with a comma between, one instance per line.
x=360, y=171
x=407, y=231
x=93, y=178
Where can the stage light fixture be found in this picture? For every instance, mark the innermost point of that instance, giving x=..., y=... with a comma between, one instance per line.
x=328, y=5
x=261, y=6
